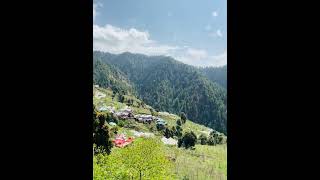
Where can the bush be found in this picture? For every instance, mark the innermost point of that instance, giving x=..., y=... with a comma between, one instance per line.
x=114, y=130
x=145, y=158
x=168, y=133
x=188, y=140
x=178, y=132
x=203, y=139
x=160, y=127
x=183, y=117
x=211, y=141
x=179, y=122
x=121, y=123
x=216, y=138
x=102, y=138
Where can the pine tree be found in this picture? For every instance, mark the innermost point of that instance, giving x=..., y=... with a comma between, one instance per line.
x=183, y=117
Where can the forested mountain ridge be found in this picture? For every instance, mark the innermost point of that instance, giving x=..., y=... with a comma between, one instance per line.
x=169, y=85
x=109, y=76
x=216, y=74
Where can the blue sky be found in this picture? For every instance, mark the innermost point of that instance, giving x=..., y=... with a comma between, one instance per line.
x=192, y=31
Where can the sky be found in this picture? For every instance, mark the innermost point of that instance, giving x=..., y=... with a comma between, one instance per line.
x=192, y=31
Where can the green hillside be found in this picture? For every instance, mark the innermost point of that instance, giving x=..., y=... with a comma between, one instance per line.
x=169, y=85
x=108, y=76
x=216, y=74
x=138, y=109
x=150, y=157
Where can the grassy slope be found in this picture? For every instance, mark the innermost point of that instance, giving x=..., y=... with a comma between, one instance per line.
x=205, y=162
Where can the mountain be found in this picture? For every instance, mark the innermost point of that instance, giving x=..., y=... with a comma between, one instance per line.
x=216, y=74
x=108, y=76
x=169, y=85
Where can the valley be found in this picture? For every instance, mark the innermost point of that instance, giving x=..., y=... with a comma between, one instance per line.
x=163, y=160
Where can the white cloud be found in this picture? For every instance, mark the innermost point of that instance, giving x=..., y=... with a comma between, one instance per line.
x=218, y=60
x=198, y=57
x=197, y=54
x=218, y=33
x=214, y=13
x=117, y=40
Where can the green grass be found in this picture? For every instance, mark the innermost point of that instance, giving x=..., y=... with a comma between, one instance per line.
x=144, y=157
x=189, y=125
x=205, y=162
x=140, y=110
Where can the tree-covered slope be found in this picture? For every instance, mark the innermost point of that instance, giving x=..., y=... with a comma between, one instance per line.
x=216, y=74
x=108, y=76
x=169, y=85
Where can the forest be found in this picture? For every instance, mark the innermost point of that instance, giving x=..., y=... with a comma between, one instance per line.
x=167, y=85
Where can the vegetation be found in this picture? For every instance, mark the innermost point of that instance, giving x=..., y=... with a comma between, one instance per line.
x=101, y=133
x=203, y=139
x=109, y=76
x=183, y=117
x=216, y=74
x=191, y=161
x=204, y=162
x=169, y=85
x=145, y=159
x=188, y=140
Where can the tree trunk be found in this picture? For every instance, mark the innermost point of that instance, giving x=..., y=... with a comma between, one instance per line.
x=140, y=175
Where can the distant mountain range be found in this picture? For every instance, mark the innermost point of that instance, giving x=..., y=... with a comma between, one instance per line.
x=167, y=85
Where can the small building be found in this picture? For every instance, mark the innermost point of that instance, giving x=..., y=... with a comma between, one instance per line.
x=143, y=118
x=121, y=141
x=125, y=113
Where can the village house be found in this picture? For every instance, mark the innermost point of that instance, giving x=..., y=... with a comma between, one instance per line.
x=122, y=141
x=125, y=113
x=143, y=118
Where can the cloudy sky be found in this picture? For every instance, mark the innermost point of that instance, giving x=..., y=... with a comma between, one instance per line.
x=191, y=31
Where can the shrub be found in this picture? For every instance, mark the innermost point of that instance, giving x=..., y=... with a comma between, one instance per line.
x=121, y=123
x=183, y=117
x=188, y=140
x=168, y=132
x=102, y=138
x=211, y=141
x=203, y=139
x=179, y=122
x=143, y=159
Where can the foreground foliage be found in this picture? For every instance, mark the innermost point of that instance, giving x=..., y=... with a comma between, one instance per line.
x=144, y=159
x=203, y=163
